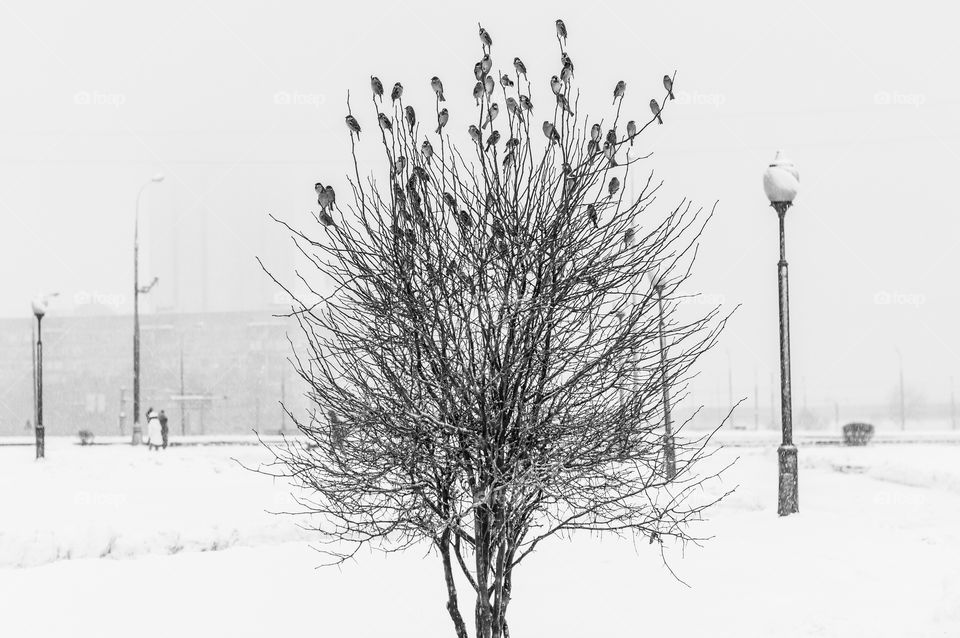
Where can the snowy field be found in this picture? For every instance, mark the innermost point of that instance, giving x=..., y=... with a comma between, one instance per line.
x=114, y=541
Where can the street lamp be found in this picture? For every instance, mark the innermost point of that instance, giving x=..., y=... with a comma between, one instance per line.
x=137, y=291
x=781, y=181
x=39, y=306
x=669, y=452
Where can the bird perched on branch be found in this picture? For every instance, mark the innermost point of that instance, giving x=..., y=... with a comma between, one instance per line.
x=398, y=166
x=564, y=103
x=555, y=85
x=384, y=122
x=353, y=125
x=478, y=71
x=474, y=133
x=525, y=103
x=595, y=131
x=450, y=201
x=562, y=31
x=488, y=85
x=628, y=236
x=612, y=136
x=505, y=81
x=442, y=119
x=427, y=150
x=397, y=92
x=592, y=214
x=593, y=147
x=610, y=152
x=614, y=186
x=668, y=85
x=551, y=131
x=512, y=143
x=411, y=117
x=520, y=67
x=655, y=109
x=420, y=173
x=619, y=90
x=485, y=38
x=437, y=86
x=329, y=196
x=377, y=87
x=492, y=114
x=514, y=109
x=567, y=62
x=478, y=92
x=486, y=63
x=493, y=139
x=326, y=219
x=631, y=131
x=509, y=159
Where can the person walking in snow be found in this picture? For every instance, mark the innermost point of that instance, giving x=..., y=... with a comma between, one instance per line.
x=154, y=431
x=164, y=431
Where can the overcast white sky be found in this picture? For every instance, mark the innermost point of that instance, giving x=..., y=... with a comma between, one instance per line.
x=241, y=105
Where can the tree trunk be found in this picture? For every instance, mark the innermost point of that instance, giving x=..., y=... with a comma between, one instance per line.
x=452, y=607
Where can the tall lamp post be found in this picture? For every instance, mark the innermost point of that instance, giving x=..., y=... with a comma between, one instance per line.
x=669, y=452
x=39, y=306
x=781, y=181
x=137, y=291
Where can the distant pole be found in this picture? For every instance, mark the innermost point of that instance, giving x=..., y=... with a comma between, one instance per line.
x=39, y=429
x=33, y=357
x=903, y=408
x=669, y=452
x=953, y=408
x=183, y=408
x=756, y=400
x=730, y=388
x=137, y=291
x=283, y=399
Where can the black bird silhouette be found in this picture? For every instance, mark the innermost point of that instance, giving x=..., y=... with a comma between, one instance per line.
x=397, y=92
x=592, y=214
x=505, y=81
x=631, y=130
x=326, y=219
x=377, y=87
x=411, y=116
x=493, y=139
x=384, y=122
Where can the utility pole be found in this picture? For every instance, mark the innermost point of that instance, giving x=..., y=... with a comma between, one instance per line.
x=903, y=408
x=183, y=409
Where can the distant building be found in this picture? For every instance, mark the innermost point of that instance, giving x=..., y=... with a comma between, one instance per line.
x=236, y=370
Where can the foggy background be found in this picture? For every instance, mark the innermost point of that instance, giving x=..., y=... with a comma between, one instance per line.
x=241, y=104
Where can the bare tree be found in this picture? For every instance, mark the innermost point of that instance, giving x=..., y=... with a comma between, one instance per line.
x=487, y=372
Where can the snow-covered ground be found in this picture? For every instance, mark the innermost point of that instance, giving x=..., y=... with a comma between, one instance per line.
x=874, y=552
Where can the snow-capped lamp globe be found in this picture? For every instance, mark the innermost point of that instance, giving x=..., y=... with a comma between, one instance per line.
x=781, y=181
x=39, y=306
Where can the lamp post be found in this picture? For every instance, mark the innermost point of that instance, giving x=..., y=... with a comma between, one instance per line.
x=137, y=291
x=903, y=403
x=669, y=452
x=39, y=306
x=781, y=181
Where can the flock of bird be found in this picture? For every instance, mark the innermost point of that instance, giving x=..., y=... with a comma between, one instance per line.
x=519, y=109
